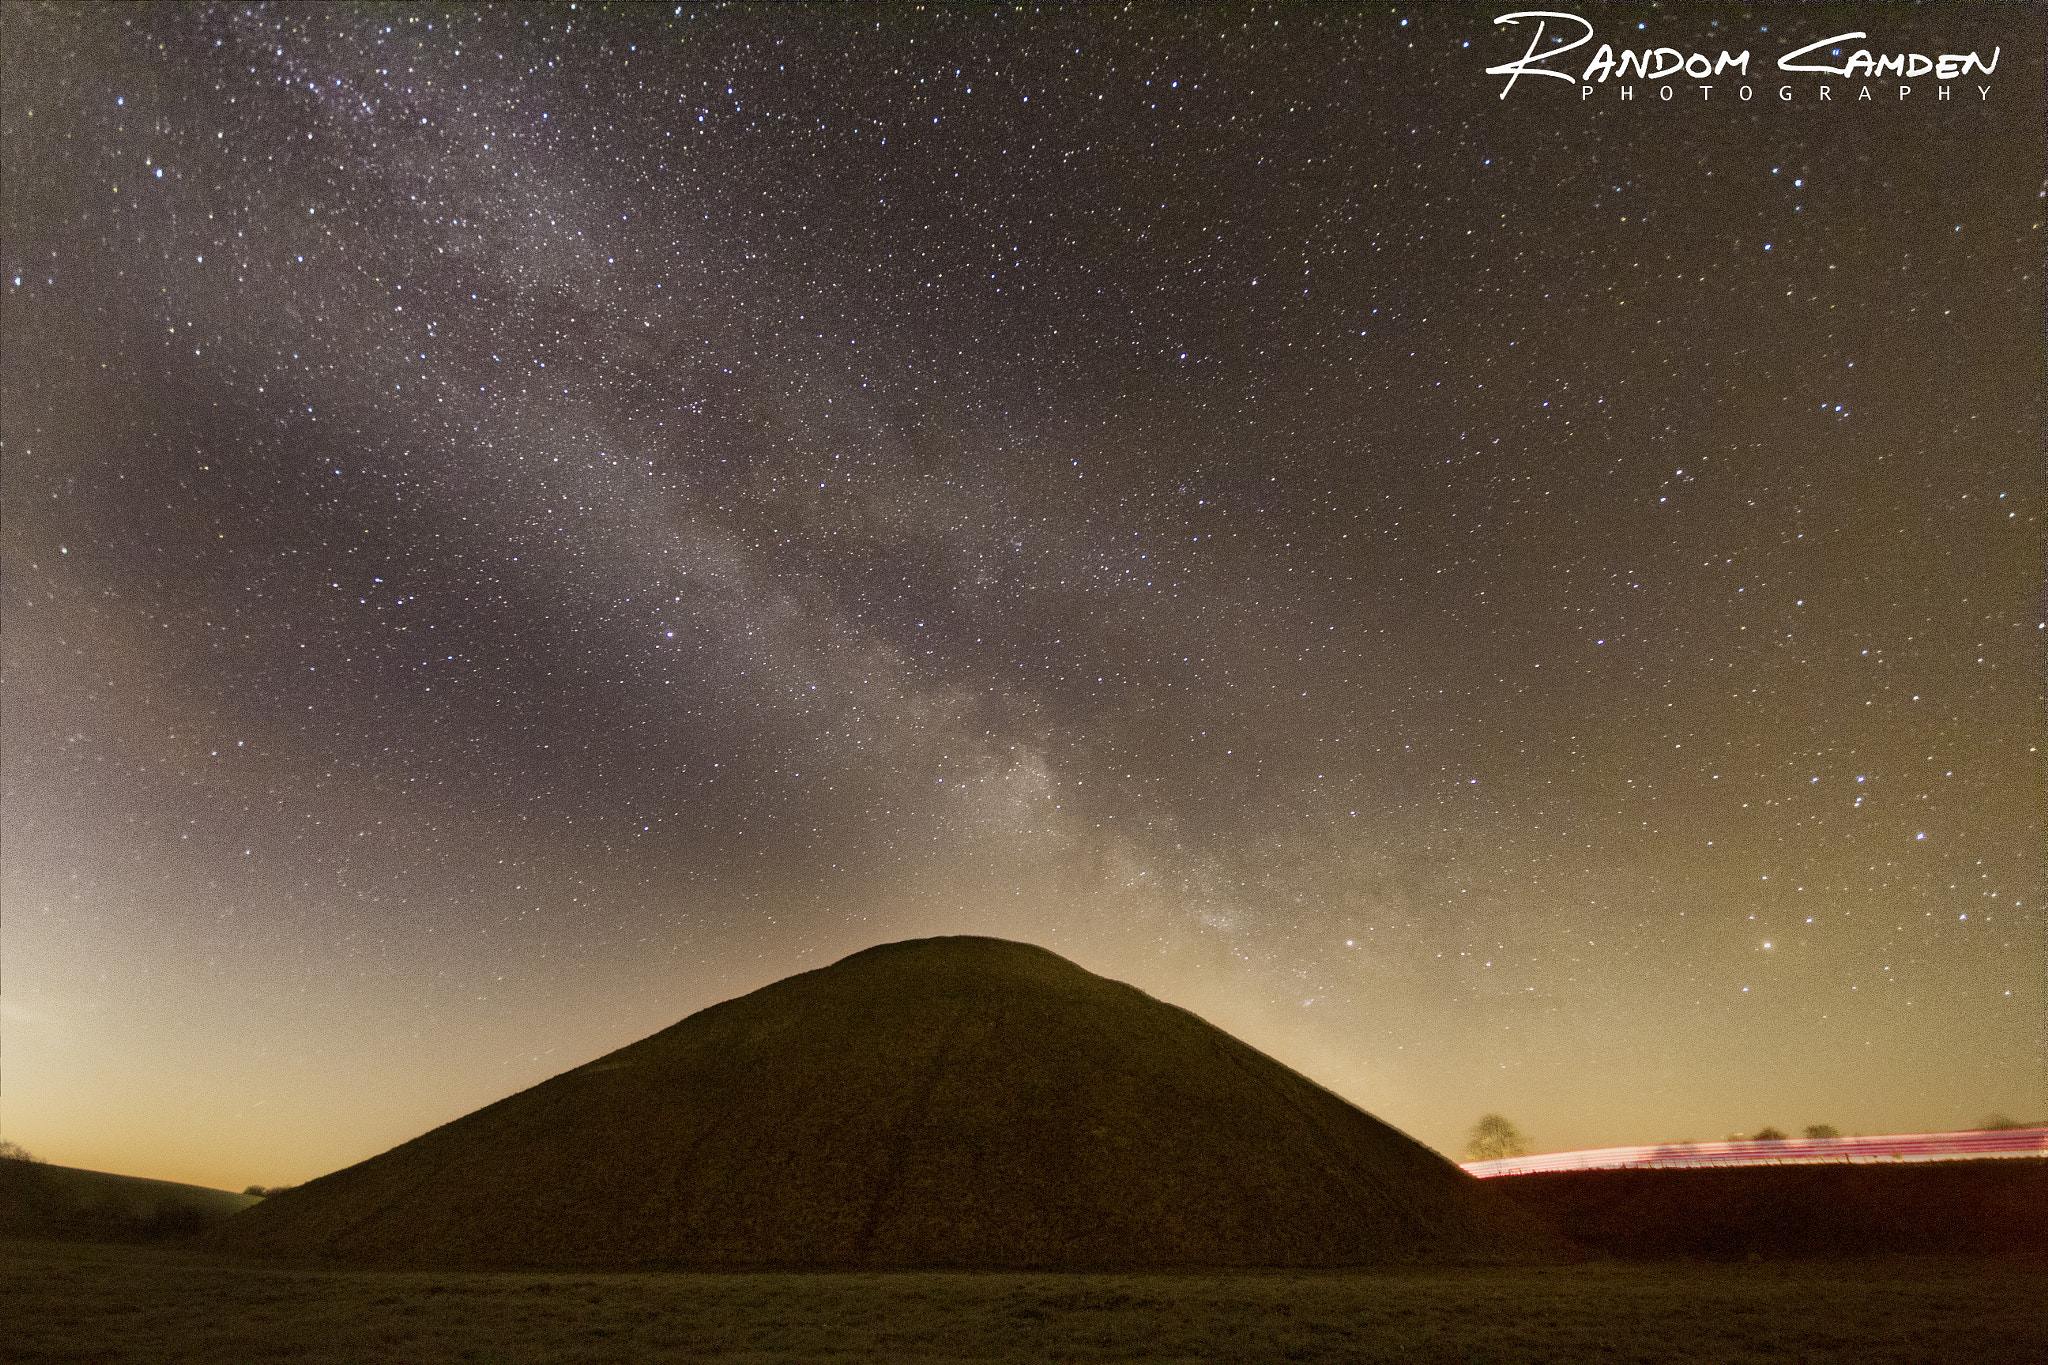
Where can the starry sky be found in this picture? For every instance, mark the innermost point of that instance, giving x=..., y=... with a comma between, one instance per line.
x=521, y=523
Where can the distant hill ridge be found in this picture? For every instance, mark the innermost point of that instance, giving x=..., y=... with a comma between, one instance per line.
x=964, y=1102
x=63, y=1203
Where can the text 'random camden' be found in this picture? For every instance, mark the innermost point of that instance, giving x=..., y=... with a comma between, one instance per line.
x=1663, y=63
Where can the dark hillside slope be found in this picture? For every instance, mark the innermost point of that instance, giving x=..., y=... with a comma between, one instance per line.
x=960, y=1102
x=65, y=1204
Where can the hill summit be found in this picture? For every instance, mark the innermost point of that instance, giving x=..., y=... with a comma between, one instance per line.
x=947, y=1102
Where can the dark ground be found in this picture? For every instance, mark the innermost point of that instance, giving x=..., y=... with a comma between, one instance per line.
x=1734, y=1265
x=1953, y=1208
x=77, y=1302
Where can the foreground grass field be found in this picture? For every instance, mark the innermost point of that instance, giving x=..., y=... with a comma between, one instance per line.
x=77, y=1302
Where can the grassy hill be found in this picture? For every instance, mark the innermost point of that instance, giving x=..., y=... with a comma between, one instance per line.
x=63, y=1203
x=957, y=1102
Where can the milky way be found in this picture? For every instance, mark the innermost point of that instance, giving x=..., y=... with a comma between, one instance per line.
x=524, y=522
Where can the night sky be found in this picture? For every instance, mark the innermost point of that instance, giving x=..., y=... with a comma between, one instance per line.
x=523, y=523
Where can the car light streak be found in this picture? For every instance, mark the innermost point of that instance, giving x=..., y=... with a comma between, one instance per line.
x=2016, y=1142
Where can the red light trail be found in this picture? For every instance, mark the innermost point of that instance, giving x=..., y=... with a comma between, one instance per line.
x=2017, y=1142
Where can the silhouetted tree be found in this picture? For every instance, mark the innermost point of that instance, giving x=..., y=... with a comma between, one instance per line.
x=14, y=1151
x=1822, y=1130
x=1494, y=1137
x=1768, y=1135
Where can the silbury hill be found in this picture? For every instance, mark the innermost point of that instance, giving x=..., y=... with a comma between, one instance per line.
x=949, y=1102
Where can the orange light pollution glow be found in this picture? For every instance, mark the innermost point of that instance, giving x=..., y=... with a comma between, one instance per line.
x=521, y=525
